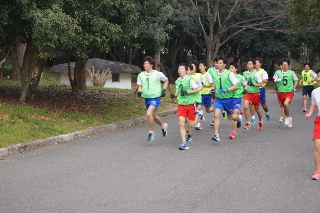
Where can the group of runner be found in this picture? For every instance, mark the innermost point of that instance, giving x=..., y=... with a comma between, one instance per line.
x=195, y=90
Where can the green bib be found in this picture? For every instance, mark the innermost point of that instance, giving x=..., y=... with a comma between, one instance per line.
x=151, y=87
x=238, y=93
x=198, y=97
x=249, y=76
x=187, y=99
x=222, y=82
x=286, y=83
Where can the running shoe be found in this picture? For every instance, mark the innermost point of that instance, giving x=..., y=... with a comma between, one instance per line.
x=290, y=122
x=189, y=138
x=150, y=136
x=247, y=126
x=198, y=127
x=201, y=116
x=165, y=129
x=252, y=122
x=287, y=121
x=232, y=135
x=183, y=146
x=316, y=175
x=260, y=127
x=241, y=112
x=216, y=137
x=239, y=123
x=212, y=123
x=304, y=110
x=268, y=116
x=281, y=119
x=224, y=115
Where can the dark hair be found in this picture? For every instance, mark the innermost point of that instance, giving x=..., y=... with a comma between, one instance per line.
x=216, y=58
x=224, y=59
x=318, y=71
x=203, y=62
x=307, y=63
x=149, y=59
x=285, y=60
x=186, y=66
x=252, y=60
x=258, y=59
x=233, y=64
x=190, y=66
x=196, y=63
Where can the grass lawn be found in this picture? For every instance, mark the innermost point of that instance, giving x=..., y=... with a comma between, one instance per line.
x=54, y=111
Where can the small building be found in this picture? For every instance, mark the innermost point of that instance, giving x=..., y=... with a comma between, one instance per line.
x=120, y=72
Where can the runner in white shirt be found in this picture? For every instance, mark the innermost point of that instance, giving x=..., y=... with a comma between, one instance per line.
x=315, y=103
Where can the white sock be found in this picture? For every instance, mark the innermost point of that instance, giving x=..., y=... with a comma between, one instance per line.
x=253, y=117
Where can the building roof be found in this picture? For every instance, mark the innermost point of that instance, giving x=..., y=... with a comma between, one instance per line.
x=97, y=63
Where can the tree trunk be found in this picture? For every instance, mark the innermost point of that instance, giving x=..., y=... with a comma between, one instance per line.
x=36, y=77
x=17, y=61
x=2, y=63
x=80, y=73
x=28, y=66
x=73, y=82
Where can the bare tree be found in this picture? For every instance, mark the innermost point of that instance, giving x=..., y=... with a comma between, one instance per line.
x=220, y=20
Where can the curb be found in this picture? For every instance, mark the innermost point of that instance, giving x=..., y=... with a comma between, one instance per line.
x=20, y=148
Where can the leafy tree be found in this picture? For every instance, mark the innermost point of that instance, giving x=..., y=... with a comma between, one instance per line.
x=16, y=28
x=143, y=25
x=217, y=18
x=304, y=15
x=77, y=28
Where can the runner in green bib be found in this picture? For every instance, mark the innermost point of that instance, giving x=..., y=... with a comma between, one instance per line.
x=212, y=69
x=185, y=92
x=286, y=81
x=149, y=88
x=224, y=83
x=252, y=97
x=308, y=77
x=237, y=96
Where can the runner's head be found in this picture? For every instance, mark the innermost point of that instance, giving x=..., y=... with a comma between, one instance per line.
x=258, y=63
x=307, y=66
x=233, y=67
x=148, y=62
x=250, y=64
x=221, y=63
x=284, y=64
x=202, y=66
x=182, y=70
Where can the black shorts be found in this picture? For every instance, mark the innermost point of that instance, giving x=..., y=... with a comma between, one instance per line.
x=307, y=90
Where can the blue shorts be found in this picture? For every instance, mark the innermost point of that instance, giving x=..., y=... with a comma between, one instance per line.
x=236, y=103
x=262, y=95
x=152, y=102
x=224, y=104
x=206, y=100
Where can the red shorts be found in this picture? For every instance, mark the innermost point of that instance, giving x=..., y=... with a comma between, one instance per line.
x=282, y=96
x=253, y=98
x=187, y=111
x=213, y=96
x=316, y=128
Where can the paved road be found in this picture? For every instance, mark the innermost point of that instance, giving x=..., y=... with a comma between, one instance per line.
x=268, y=171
